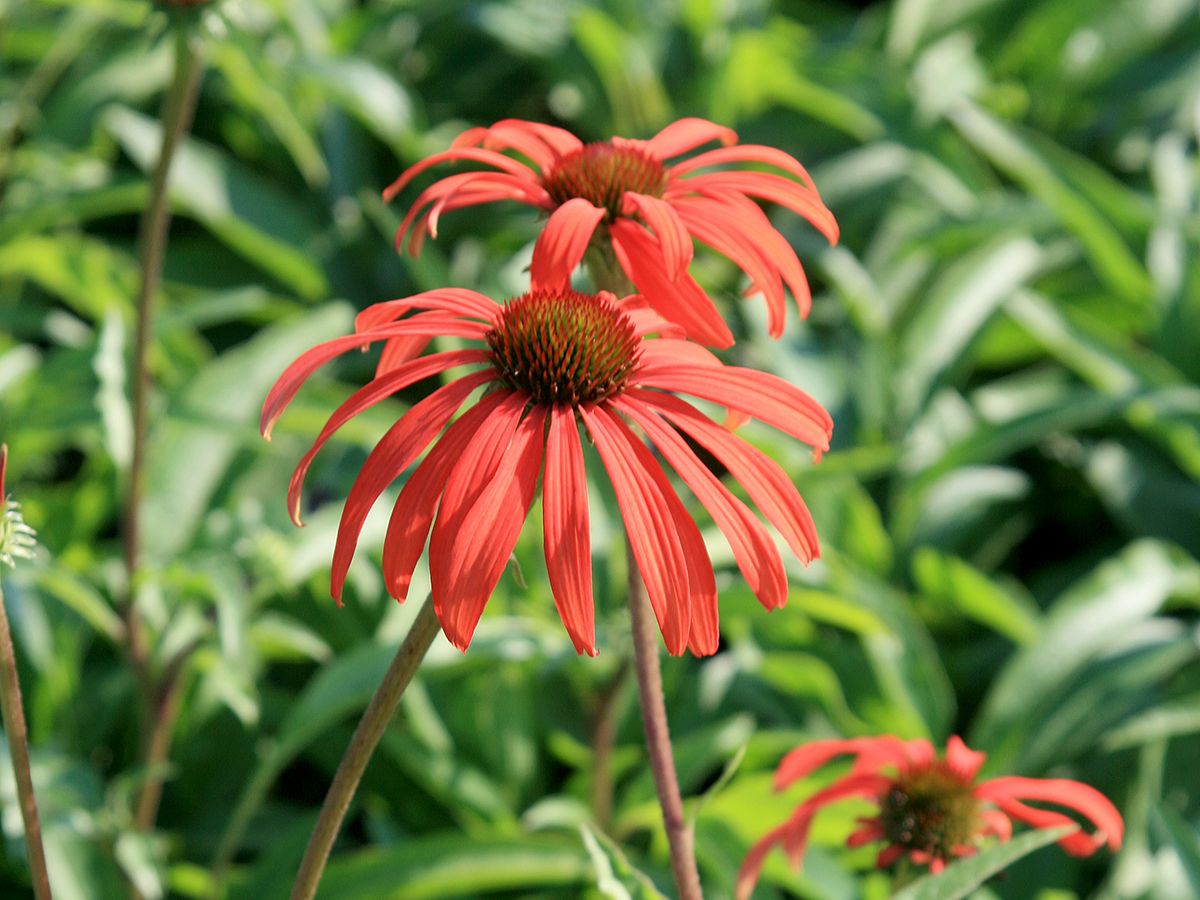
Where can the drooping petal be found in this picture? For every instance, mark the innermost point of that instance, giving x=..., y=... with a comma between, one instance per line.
x=768, y=486
x=711, y=223
x=793, y=834
x=687, y=134
x=514, y=133
x=398, y=351
x=456, y=301
x=379, y=389
x=680, y=299
x=1007, y=793
x=765, y=186
x=288, y=383
x=996, y=823
x=962, y=760
x=752, y=547
x=473, y=471
x=412, y=515
x=562, y=243
x=394, y=453
x=765, y=397
x=567, y=530
x=467, y=566
x=868, y=833
x=807, y=758
x=751, y=867
x=753, y=153
x=467, y=154
x=657, y=550
x=460, y=191
x=672, y=234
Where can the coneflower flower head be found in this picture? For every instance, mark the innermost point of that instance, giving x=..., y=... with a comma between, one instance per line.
x=640, y=206
x=17, y=540
x=564, y=347
x=553, y=362
x=603, y=172
x=931, y=810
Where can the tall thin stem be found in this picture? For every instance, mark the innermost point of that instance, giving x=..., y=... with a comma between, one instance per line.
x=658, y=739
x=371, y=727
x=160, y=703
x=607, y=275
x=18, y=747
x=179, y=105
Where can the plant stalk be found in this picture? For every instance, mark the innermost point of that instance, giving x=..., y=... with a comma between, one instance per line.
x=607, y=275
x=179, y=105
x=18, y=747
x=159, y=702
x=370, y=730
x=658, y=738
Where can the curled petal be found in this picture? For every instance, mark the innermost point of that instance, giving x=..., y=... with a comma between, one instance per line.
x=1007, y=793
x=379, y=389
x=962, y=760
x=793, y=834
x=288, y=384
x=764, y=397
x=687, y=134
x=562, y=243
x=461, y=191
x=461, y=154
x=765, y=186
x=455, y=301
x=754, y=153
x=875, y=752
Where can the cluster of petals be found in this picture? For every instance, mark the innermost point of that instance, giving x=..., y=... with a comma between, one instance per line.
x=885, y=764
x=471, y=493
x=650, y=230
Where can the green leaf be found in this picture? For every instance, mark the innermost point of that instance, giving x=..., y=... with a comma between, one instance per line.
x=437, y=867
x=1184, y=838
x=210, y=419
x=616, y=877
x=252, y=216
x=1122, y=593
x=964, y=876
x=1107, y=251
x=954, y=583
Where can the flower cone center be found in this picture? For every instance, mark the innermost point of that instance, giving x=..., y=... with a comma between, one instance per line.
x=563, y=347
x=930, y=810
x=601, y=173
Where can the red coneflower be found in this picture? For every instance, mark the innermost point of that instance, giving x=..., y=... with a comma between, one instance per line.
x=623, y=192
x=931, y=810
x=553, y=360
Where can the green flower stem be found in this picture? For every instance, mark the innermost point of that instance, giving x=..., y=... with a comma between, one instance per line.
x=607, y=276
x=18, y=748
x=179, y=105
x=371, y=727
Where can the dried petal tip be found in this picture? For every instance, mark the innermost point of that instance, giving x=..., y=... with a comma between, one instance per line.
x=563, y=347
x=16, y=538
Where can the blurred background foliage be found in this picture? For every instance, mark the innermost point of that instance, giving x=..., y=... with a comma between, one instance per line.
x=1006, y=336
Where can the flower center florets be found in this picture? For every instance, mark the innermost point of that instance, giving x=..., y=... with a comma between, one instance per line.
x=563, y=347
x=601, y=173
x=931, y=811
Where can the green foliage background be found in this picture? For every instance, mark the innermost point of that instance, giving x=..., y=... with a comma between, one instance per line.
x=1007, y=337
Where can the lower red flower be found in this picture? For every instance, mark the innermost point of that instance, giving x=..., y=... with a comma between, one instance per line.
x=553, y=361
x=931, y=810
